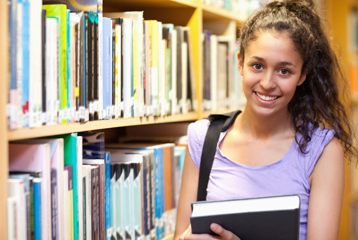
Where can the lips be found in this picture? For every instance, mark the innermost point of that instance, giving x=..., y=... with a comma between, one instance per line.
x=266, y=97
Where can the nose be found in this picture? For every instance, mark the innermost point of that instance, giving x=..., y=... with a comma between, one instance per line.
x=267, y=81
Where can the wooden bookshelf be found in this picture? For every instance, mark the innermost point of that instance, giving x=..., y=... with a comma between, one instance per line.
x=4, y=68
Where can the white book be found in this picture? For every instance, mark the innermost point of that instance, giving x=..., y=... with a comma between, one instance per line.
x=66, y=213
x=127, y=67
x=51, y=70
x=16, y=189
x=35, y=70
x=213, y=72
x=79, y=187
x=86, y=171
x=174, y=72
x=118, y=75
x=99, y=104
x=11, y=218
x=184, y=77
x=57, y=162
x=162, y=74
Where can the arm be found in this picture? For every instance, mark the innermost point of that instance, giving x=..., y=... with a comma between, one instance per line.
x=188, y=194
x=326, y=197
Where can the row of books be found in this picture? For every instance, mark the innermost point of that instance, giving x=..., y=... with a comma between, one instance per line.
x=222, y=86
x=81, y=66
x=74, y=186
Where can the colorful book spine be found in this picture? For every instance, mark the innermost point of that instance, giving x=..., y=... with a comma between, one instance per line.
x=107, y=67
x=37, y=208
x=60, y=11
x=108, y=225
x=25, y=63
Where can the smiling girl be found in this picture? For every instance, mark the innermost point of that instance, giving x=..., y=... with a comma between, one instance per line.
x=294, y=133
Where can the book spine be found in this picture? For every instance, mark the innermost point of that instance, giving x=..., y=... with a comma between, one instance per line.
x=69, y=79
x=70, y=203
x=108, y=225
x=114, y=87
x=100, y=65
x=113, y=202
x=54, y=204
x=44, y=49
x=87, y=60
x=25, y=64
x=14, y=121
x=84, y=196
x=96, y=67
x=127, y=67
x=102, y=203
x=19, y=55
x=117, y=67
x=37, y=209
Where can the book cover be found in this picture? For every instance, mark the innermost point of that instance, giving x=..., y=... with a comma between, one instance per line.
x=273, y=217
x=59, y=11
x=93, y=145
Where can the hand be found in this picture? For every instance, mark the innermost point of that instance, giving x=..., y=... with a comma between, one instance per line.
x=223, y=234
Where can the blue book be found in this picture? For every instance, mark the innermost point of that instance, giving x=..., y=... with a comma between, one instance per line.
x=37, y=208
x=107, y=67
x=13, y=65
x=25, y=62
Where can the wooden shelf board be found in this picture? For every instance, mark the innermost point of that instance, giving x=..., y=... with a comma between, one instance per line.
x=28, y=133
x=214, y=14
x=135, y=4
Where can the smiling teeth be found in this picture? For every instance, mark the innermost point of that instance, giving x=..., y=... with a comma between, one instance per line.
x=266, y=98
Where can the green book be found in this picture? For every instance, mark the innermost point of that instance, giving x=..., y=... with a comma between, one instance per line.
x=59, y=11
x=70, y=158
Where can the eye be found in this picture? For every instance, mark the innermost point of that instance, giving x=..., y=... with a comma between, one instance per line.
x=284, y=71
x=257, y=66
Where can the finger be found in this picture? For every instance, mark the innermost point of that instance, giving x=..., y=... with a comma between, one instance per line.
x=225, y=234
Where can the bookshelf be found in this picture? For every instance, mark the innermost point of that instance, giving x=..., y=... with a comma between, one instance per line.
x=3, y=122
x=190, y=13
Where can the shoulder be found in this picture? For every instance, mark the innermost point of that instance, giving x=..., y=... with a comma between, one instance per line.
x=196, y=136
x=320, y=140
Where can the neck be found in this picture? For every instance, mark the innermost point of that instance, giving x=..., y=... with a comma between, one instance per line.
x=262, y=127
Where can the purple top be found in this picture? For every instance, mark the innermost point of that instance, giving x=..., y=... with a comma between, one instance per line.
x=289, y=175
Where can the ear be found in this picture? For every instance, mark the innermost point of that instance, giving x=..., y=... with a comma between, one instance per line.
x=240, y=64
x=302, y=79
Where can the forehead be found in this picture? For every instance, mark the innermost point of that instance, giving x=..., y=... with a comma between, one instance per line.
x=273, y=45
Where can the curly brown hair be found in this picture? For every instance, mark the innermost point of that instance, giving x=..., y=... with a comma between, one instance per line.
x=316, y=102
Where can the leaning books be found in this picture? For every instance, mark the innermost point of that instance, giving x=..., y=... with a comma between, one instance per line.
x=274, y=217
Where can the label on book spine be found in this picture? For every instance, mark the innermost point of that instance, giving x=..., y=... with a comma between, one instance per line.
x=82, y=112
x=86, y=115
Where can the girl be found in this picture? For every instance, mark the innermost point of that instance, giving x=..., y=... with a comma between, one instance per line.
x=294, y=133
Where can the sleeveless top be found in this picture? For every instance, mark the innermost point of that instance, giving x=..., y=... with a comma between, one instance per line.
x=289, y=175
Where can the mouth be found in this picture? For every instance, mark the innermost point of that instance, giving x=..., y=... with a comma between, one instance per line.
x=266, y=97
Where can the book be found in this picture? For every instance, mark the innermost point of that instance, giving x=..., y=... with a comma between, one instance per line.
x=16, y=190
x=54, y=200
x=37, y=208
x=86, y=170
x=70, y=203
x=60, y=12
x=107, y=68
x=272, y=217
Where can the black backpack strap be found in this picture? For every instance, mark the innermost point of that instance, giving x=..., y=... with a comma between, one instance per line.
x=218, y=123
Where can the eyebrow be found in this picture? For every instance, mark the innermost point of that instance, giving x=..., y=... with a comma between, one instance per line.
x=283, y=63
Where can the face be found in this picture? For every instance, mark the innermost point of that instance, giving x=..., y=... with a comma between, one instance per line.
x=271, y=72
